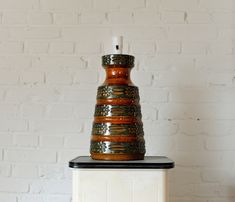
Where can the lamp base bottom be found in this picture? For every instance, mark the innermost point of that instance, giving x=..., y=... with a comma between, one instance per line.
x=117, y=157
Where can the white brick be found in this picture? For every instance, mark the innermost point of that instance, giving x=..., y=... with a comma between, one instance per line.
x=13, y=185
x=73, y=5
x=22, y=5
x=227, y=33
x=131, y=33
x=8, y=197
x=131, y=4
x=62, y=77
x=25, y=171
x=112, y=4
x=87, y=127
x=40, y=18
x=34, y=33
x=106, y=4
x=80, y=141
x=19, y=62
x=162, y=63
x=57, y=126
x=59, y=198
x=33, y=94
x=141, y=78
x=143, y=47
x=14, y=18
x=185, y=175
x=221, y=48
x=84, y=96
x=41, y=198
x=51, y=186
x=167, y=47
x=189, y=111
x=51, y=141
x=11, y=47
x=4, y=62
x=33, y=111
x=199, y=17
x=183, y=190
x=68, y=174
x=13, y=125
x=146, y=17
x=60, y=111
x=102, y=76
x=25, y=140
x=31, y=197
x=153, y=95
x=2, y=93
x=8, y=77
x=4, y=33
x=207, y=127
x=180, y=4
x=207, y=189
x=220, y=143
x=148, y=112
x=159, y=145
x=217, y=5
x=1, y=17
x=32, y=77
x=183, y=78
x=223, y=18
x=92, y=17
x=224, y=190
x=22, y=155
x=153, y=4
x=5, y=170
x=123, y=17
x=199, y=158
x=173, y=17
x=86, y=76
x=52, y=172
x=37, y=47
x=160, y=128
x=59, y=63
x=9, y=111
x=215, y=175
x=193, y=33
x=221, y=79
x=197, y=95
x=49, y=133
x=84, y=110
x=6, y=139
x=88, y=47
x=222, y=199
x=65, y=18
x=216, y=63
x=62, y=47
x=189, y=143
x=194, y=48
x=68, y=155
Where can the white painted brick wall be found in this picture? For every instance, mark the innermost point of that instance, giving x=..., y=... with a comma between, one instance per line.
x=50, y=69
x=173, y=17
x=40, y=18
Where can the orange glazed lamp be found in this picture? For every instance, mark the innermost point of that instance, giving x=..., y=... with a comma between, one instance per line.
x=117, y=132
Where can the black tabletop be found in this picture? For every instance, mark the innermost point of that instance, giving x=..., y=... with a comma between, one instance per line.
x=149, y=162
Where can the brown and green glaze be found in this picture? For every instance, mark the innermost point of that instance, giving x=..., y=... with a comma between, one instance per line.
x=117, y=132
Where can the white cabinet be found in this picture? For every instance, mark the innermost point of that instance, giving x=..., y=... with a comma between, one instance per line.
x=132, y=181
